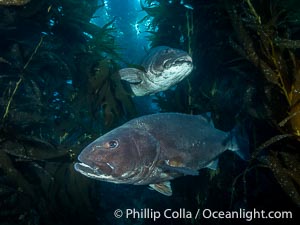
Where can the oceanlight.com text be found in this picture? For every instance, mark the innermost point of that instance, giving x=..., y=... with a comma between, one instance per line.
x=248, y=215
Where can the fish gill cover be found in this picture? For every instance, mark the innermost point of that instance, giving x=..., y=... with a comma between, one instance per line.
x=59, y=90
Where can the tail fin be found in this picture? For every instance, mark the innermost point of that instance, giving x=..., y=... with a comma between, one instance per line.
x=239, y=142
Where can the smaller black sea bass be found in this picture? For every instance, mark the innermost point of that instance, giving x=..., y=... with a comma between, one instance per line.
x=154, y=149
x=163, y=68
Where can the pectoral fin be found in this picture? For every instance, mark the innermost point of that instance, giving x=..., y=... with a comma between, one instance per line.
x=183, y=170
x=132, y=75
x=177, y=167
x=163, y=188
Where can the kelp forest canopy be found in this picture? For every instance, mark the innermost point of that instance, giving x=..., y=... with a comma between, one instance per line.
x=60, y=89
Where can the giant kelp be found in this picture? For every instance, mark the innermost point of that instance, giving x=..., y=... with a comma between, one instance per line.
x=265, y=36
x=167, y=20
x=246, y=72
x=59, y=88
x=14, y=2
x=263, y=41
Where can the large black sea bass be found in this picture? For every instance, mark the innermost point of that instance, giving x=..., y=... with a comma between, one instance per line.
x=163, y=68
x=154, y=149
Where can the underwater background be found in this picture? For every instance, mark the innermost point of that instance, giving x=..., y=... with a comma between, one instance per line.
x=60, y=90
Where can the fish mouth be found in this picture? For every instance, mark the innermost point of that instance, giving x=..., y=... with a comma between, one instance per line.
x=184, y=59
x=96, y=173
x=87, y=170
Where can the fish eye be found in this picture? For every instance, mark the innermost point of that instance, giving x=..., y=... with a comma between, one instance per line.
x=167, y=64
x=111, y=144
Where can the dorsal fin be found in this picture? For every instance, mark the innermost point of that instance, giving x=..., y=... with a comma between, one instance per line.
x=207, y=118
x=213, y=165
